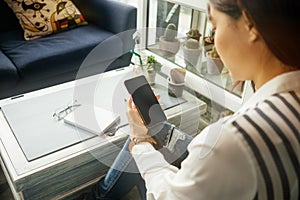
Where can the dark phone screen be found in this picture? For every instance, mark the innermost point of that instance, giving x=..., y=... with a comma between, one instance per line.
x=145, y=101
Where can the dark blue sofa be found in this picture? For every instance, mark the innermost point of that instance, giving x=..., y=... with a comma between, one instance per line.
x=102, y=45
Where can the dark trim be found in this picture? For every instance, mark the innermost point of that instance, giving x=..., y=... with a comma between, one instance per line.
x=289, y=123
x=262, y=166
x=276, y=157
x=292, y=109
x=286, y=142
x=293, y=94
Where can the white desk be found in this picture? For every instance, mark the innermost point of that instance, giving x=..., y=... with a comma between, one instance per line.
x=57, y=174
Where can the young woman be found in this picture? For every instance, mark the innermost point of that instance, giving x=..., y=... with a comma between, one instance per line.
x=253, y=154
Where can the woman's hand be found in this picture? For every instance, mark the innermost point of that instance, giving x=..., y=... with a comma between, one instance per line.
x=136, y=124
x=138, y=129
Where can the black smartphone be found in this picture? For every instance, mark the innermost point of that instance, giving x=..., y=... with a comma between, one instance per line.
x=145, y=101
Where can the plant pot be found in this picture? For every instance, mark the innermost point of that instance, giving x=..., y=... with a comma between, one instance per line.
x=214, y=65
x=208, y=47
x=151, y=77
x=191, y=56
x=175, y=90
x=207, y=44
x=168, y=47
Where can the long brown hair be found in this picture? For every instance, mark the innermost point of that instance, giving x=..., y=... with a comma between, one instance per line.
x=277, y=21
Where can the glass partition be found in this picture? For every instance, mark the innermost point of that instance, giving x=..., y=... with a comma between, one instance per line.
x=181, y=33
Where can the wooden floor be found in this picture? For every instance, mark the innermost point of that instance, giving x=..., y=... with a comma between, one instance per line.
x=5, y=193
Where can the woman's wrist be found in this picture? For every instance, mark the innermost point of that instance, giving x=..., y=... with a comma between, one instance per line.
x=135, y=140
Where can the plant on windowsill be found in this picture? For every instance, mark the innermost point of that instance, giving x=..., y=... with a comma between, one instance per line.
x=194, y=34
x=191, y=52
x=177, y=75
x=209, y=41
x=153, y=66
x=214, y=63
x=176, y=82
x=169, y=43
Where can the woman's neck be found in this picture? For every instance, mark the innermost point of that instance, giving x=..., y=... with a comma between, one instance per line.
x=270, y=71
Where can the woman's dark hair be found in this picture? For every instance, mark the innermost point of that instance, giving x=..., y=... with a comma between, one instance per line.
x=277, y=22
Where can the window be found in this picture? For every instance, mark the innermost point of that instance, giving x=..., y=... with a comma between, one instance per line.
x=185, y=16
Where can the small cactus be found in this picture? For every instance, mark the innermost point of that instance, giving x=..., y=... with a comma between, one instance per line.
x=193, y=33
x=170, y=32
x=213, y=53
x=210, y=39
x=192, y=44
x=212, y=35
x=177, y=75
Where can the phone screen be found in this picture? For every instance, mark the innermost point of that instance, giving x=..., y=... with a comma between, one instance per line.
x=145, y=101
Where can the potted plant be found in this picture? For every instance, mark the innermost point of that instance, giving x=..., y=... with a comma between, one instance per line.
x=168, y=42
x=209, y=41
x=153, y=66
x=177, y=75
x=214, y=62
x=191, y=52
x=176, y=82
x=194, y=34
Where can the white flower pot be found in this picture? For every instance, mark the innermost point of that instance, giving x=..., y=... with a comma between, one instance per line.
x=169, y=47
x=191, y=56
x=174, y=89
x=151, y=77
x=214, y=65
x=208, y=47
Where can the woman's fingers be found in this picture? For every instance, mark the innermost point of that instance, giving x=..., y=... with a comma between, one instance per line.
x=132, y=114
x=157, y=96
x=130, y=103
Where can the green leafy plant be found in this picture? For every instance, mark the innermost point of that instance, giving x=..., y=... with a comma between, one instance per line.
x=152, y=64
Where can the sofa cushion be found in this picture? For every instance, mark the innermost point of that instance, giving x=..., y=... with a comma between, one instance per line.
x=58, y=53
x=40, y=18
x=11, y=22
x=8, y=72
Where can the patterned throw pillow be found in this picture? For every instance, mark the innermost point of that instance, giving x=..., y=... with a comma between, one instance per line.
x=43, y=17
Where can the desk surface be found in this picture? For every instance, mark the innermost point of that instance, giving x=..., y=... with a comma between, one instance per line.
x=32, y=121
x=41, y=152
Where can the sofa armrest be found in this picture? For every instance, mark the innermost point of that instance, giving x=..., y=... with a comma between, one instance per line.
x=111, y=15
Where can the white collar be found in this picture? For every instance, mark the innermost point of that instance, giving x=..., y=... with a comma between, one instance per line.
x=282, y=83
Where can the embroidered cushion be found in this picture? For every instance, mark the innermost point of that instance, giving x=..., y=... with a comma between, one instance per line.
x=43, y=17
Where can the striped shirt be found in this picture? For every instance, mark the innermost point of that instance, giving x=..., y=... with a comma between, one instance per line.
x=253, y=154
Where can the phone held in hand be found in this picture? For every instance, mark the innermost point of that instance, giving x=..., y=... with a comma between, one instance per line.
x=145, y=101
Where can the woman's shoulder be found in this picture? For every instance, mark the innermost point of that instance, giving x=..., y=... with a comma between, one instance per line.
x=277, y=105
x=273, y=119
x=276, y=115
